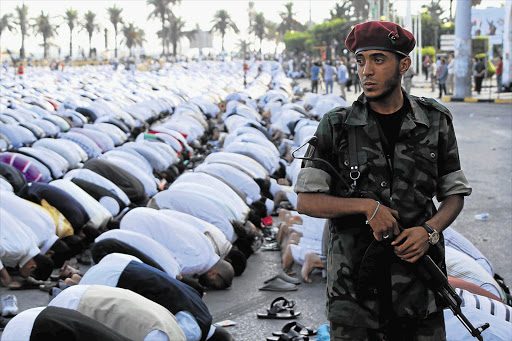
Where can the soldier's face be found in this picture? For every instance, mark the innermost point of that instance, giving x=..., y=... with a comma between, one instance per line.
x=379, y=72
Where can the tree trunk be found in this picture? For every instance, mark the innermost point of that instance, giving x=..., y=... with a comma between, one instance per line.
x=163, y=36
x=70, y=44
x=222, y=42
x=45, y=48
x=22, y=49
x=90, y=47
x=115, y=41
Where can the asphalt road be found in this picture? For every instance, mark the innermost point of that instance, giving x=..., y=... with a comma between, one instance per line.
x=484, y=132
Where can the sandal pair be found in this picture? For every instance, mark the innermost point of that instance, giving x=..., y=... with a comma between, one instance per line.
x=280, y=308
x=293, y=331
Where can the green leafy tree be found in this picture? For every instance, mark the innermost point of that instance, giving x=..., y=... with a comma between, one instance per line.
x=22, y=22
x=259, y=27
x=5, y=23
x=133, y=36
x=89, y=24
x=162, y=10
x=222, y=22
x=47, y=30
x=114, y=13
x=298, y=42
x=327, y=33
x=71, y=19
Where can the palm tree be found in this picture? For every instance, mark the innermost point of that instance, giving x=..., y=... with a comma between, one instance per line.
x=22, y=22
x=222, y=21
x=244, y=47
x=163, y=12
x=5, y=23
x=259, y=28
x=71, y=17
x=90, y=26
x=164, y=34
x=43, y=27
x=176, y=32
x=289, y=23
x=342, y=11
x=274, y=33
x=133, y=36
x=115, y=18
x=361, y=9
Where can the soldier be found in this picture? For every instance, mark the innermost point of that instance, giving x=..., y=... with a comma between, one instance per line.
x=398, y=151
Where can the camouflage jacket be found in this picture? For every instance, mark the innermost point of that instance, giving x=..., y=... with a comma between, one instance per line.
x=426, y=165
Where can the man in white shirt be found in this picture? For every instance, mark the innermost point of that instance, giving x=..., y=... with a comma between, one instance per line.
x=50, y=323
x=127, y=272
x=197, y=205
x=243, y=162
x=125, y=311
x=235, y=176
x=138, y=245
x=40, y=222
x=17, y=248
x=192, y=249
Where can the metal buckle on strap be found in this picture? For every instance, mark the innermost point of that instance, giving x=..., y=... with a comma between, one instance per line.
x=354, y=173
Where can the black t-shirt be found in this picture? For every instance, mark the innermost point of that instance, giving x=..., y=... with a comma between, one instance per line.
x=389, y=129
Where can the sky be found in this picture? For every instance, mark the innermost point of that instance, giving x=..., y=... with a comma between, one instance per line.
x=193, y=12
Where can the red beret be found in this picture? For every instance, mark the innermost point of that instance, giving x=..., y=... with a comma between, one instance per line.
x=380, y=35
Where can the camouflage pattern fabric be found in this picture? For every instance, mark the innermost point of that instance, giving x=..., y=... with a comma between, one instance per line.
x=429, y=329
x=426, y=164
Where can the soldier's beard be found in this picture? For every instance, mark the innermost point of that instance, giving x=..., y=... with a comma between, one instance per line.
x=390, y=85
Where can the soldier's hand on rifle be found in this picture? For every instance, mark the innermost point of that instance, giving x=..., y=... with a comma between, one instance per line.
x=383, y=221
x=411, y=244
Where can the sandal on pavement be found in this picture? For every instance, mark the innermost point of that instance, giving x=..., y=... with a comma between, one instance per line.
x=280, y=310
x=29, y=283
x=273, y=246
x=277, y=284
x=291, y=335
x=285, y=278
x=298, y=327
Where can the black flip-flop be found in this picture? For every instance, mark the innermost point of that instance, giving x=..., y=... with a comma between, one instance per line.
x=297, y=327
x=291, y=335
x=280, y=311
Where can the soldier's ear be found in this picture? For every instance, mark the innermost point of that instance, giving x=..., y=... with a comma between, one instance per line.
x=405, y=64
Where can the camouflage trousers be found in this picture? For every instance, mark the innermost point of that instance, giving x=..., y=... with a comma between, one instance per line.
x=430, y=329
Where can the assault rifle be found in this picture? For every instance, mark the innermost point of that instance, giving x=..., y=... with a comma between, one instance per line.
x=426, y=268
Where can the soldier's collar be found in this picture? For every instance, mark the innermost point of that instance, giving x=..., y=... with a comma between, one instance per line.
x=418, y=114
x=360, y=117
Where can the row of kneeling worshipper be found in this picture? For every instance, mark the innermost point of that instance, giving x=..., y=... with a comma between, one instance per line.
x=104, y=167
x=181, y=201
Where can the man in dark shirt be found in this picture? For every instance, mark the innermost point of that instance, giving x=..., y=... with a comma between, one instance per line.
x=405, y=154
